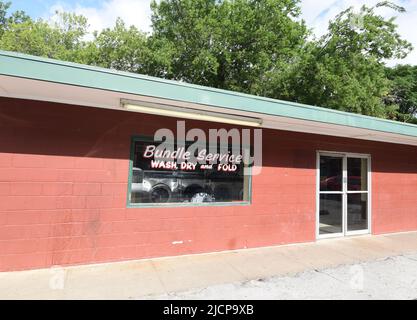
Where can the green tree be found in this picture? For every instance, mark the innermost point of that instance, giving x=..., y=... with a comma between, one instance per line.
x=345, y=68
x=61, y=39
x=6, y=20
x=227, y=44
x=260, y=47
x=119, y=48
x=128, y=49
x=404, y=91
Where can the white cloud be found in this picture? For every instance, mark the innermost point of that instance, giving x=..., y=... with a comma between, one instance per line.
x=133, y=12
x=316, y=13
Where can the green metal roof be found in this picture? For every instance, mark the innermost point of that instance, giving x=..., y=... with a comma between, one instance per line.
x=31, y=67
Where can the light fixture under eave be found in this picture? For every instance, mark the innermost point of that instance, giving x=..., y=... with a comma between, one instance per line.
x=193, y=114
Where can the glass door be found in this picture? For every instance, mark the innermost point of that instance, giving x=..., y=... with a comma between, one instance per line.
x=331, y=195
x=343, y=205
x=357, y=195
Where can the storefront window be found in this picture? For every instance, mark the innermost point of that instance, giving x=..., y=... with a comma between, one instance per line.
x=170, y=177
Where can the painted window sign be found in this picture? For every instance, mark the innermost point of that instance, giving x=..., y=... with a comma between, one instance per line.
x=186, y=174
x=167, y=159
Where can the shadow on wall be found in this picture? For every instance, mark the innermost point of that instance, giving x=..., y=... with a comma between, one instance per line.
x=45, y=128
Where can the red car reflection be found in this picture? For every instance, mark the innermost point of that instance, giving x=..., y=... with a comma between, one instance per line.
x=334, y=183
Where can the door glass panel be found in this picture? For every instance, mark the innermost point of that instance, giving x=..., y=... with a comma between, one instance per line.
x=357, y=170
x=331, y=169
x=331, y=213
x=357, y=211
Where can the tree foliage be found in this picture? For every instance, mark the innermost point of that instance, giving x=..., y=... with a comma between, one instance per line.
x=345, y=68
x=60, y=39
x=229, y=44
x=260, y=47
x=6, y=21
x=120, y=47
x=404, y=91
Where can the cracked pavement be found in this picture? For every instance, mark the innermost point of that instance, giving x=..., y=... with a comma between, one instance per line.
x=387, y=278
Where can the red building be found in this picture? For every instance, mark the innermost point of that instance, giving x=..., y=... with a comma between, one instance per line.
x=75, y=187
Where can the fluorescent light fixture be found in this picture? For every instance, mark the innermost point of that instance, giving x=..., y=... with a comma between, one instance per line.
x=187, y=113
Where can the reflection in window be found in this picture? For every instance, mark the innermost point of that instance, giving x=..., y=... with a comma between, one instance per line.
x=331, y=169
x=156, y=181
x=357, y=169
x=357, y=211
x=331, y=213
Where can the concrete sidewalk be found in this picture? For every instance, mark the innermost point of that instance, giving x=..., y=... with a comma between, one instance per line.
x=392, y=278
x=156, y=277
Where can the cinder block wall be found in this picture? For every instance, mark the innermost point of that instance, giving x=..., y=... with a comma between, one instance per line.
x=63, y=189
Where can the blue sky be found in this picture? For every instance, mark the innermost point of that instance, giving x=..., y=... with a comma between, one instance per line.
x=317, y=13
x=38, y=8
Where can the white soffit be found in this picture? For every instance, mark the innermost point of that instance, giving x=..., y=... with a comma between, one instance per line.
x=14, y=87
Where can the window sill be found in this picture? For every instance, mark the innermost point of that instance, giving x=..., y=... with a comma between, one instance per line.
x=182, y=205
